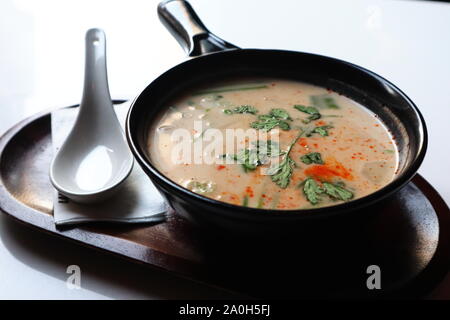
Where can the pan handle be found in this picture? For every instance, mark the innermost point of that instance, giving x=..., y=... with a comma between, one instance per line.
x=183, y=23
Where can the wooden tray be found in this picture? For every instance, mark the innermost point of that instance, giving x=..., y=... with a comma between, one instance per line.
x=408, y=239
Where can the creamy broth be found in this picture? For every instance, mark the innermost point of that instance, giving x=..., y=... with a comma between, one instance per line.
x=330, y=149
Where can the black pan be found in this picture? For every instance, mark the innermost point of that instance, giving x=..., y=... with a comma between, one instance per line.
x=217, y=59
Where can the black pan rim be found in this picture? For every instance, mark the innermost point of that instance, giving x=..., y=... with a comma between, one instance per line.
x=251, y=212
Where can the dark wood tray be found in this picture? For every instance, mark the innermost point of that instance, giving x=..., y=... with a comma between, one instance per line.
x=408, y=238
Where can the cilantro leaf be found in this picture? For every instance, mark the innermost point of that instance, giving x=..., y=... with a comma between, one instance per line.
x=241, y=109
x=280, y=114
x=248, y=159
x=267, y=149
x=313, y=112
x=275, y=118
x=246, y=109
x=322, y=130
x=251, y=158
x=268, y=124
x=337, y=192
x=312, y=157
x=245, y=201
x=199, y=187
x=323, y=101
x=282, y=173
x=312, y=191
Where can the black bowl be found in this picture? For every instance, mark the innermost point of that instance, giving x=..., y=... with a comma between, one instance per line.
x=392, y=106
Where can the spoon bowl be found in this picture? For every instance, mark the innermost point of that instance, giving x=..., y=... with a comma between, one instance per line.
x=94, y=159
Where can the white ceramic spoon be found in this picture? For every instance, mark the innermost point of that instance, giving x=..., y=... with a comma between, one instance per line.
x=95, y=157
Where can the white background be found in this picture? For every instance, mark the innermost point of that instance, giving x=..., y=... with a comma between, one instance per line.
x=41, y=66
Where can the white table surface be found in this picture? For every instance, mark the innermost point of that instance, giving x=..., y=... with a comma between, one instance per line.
x=41, y=66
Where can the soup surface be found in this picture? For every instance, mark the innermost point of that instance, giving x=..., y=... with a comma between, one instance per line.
x=307, y=146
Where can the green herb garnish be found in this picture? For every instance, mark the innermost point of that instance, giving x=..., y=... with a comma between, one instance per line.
x=312, y=157
x=337, y=191
x=260, y=203
x=229, y=89
x=258, y=155
x=389, y=151
x=275, y=118
x=312, y=190
x=280, y=114
x=322, y=130
x=245, y=201
x=312, y=111
x=199, y=187
x=323, y=101
x=268, y=124
x=282, y=173
x=332, y=116
x=248, y=158
x=241, y=109
x=267, y=149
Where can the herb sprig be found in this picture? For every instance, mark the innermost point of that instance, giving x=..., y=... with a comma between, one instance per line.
x=275, y=118
x=251, y=158
x=335, y=191
x=245, y=201
x=321, y=130
x=312, y=190
x=201, y=187
x=282, y=173
x=312, y=111
x=241, y=109
x=312, y=157
x=324, y=101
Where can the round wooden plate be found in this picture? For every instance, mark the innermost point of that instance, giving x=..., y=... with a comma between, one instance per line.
x=408, y=240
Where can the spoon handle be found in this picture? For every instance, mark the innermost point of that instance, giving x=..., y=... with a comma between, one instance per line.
x=96, y=89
